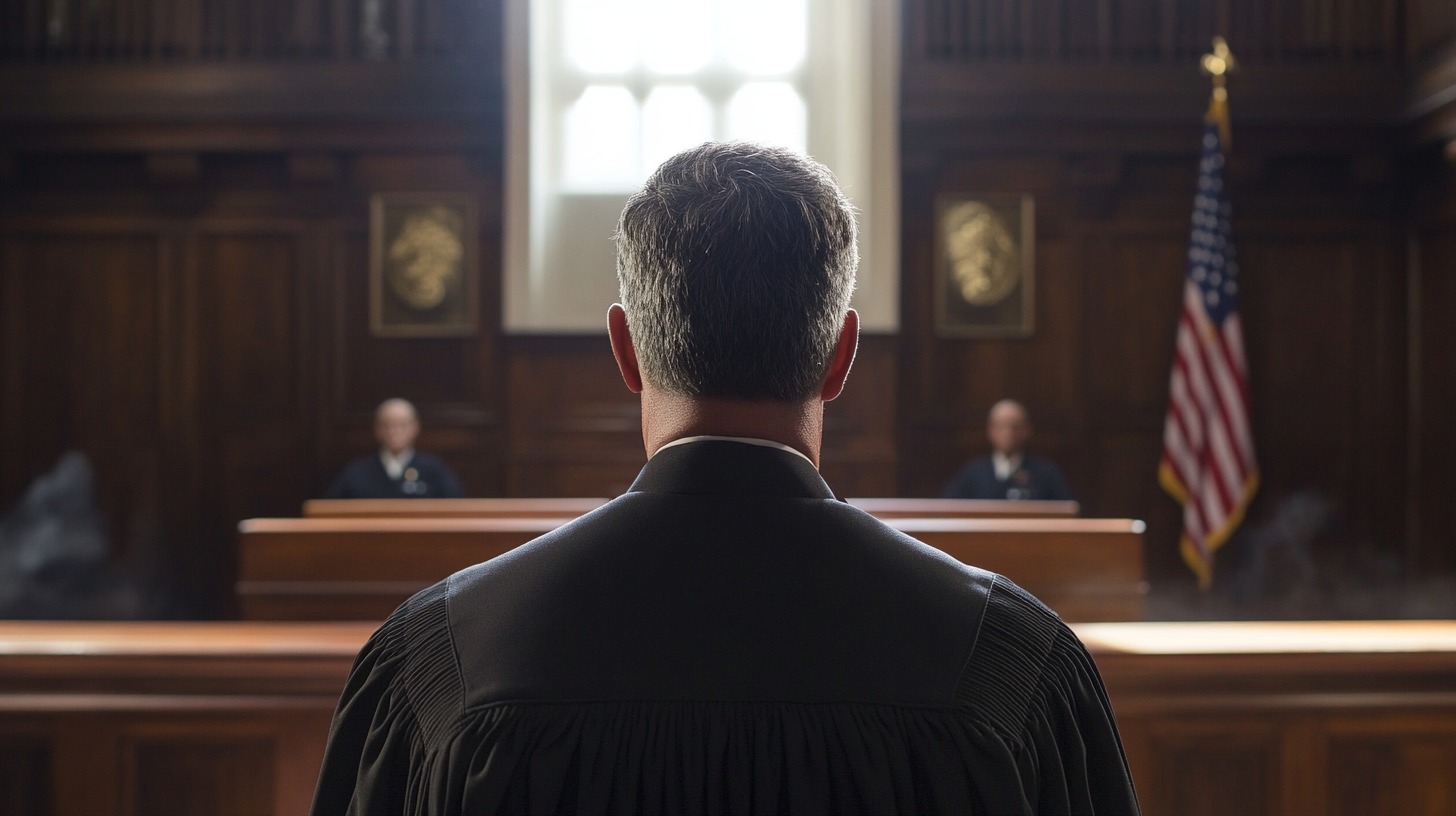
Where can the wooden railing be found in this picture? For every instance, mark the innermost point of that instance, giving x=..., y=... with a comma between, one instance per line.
x=1152, y=32
x=1136, y=32
x=143, y=31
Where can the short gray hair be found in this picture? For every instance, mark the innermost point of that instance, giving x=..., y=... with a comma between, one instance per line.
x=736, y=262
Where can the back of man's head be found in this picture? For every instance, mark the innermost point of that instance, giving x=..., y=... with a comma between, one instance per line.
x=736, y=263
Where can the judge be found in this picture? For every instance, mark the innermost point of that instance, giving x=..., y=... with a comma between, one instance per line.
x=398, y=471
x=1009, y=472
x=726, y=637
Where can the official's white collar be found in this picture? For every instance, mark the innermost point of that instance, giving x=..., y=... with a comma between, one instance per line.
x=746, y=440
x=1005, y=465
x=394, y=465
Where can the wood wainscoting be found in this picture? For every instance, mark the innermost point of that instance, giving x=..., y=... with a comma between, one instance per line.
x=1255, y=719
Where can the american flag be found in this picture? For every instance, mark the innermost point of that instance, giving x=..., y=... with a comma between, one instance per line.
x=1208, y=450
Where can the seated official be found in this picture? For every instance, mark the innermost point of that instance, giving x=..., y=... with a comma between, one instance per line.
x=398, y=471
x=726, y=637
x=1009, y=472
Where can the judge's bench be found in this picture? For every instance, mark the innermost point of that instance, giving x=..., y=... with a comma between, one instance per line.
x=231, y=716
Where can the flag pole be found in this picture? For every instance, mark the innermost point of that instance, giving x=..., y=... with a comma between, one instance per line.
x=1218, y=64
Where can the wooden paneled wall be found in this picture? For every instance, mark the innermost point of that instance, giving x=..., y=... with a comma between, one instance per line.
x=183, y=255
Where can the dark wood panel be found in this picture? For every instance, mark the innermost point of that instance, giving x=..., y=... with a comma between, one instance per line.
x=1434, y=440
x=83, y=338
x=1134, y=286
x=250, y=348
x=25, y=774
x=574, y=429
x=1382, y=766
x=1151, y=31
x=1212, y=767
x=222, y=775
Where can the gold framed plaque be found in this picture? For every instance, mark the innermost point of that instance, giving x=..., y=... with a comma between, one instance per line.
x=424, y=278
x=984, y=265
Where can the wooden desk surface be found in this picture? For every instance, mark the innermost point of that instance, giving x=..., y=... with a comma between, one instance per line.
x=1269, y=637
x=886, y=508
x=443, y=508
x=544, y=524
x=1151, y=640
x=123, y=639
x=572, y=507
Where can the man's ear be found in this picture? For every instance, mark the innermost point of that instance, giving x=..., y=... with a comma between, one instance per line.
x=843, y=357
x=623, y=349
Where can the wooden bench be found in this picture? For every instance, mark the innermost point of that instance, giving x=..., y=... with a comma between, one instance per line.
x=886, y=509
x=362, y=568
x=450, y=508
x=1347, y=718
x=571, y=508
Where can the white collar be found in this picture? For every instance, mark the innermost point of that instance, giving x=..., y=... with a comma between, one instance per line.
x=745, y=440
x=1005, y=465
x=394, y=465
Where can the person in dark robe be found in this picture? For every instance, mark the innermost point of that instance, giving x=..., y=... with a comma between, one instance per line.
x=398, y=471
x=727, y=636
x=1009, y=472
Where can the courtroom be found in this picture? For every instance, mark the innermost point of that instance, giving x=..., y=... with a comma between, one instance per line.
x=775, y=406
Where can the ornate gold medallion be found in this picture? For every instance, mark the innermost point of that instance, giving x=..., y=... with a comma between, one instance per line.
x=981, y=251
x=425, y=258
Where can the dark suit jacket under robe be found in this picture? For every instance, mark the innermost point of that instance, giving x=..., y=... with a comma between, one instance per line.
x=1037, y=479
x=366, y=478
x=727, y=637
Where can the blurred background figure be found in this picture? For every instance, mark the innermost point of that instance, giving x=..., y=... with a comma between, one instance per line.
x=55, y=555
x=1009, y=472
x=397, y=470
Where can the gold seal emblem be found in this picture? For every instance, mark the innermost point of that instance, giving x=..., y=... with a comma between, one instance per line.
x=985, y=264
x=425, y=258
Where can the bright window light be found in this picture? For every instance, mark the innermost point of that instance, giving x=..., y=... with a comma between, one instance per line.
x=602, y=91
x=766, y=37
x=600, y=37
x=769, y=112
x=674, y=118
x=677, y=36
x=602, y=138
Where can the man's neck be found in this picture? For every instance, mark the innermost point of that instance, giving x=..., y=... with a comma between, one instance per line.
x=667, y=417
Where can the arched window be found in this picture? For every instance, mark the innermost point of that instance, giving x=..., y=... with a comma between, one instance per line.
x=603, y=90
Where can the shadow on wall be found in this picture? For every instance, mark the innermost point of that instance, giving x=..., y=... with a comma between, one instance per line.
x=55, y=557
x=1276, y=570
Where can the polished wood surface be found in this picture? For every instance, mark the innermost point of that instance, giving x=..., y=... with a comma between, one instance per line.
x=562, y=508
x=362, y=568
x=892, y=508
x=1350, y=718
x=883, y=508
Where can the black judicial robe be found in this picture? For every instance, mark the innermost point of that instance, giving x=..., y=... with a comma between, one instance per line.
x=727, y=637
x=1036, y=479
x=366, y=478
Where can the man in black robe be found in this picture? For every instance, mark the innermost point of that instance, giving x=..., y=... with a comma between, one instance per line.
x=727, y=636
x=398, y=471
x=1009, y=472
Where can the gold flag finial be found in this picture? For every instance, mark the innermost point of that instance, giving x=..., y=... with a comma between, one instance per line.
x=1218, y=64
